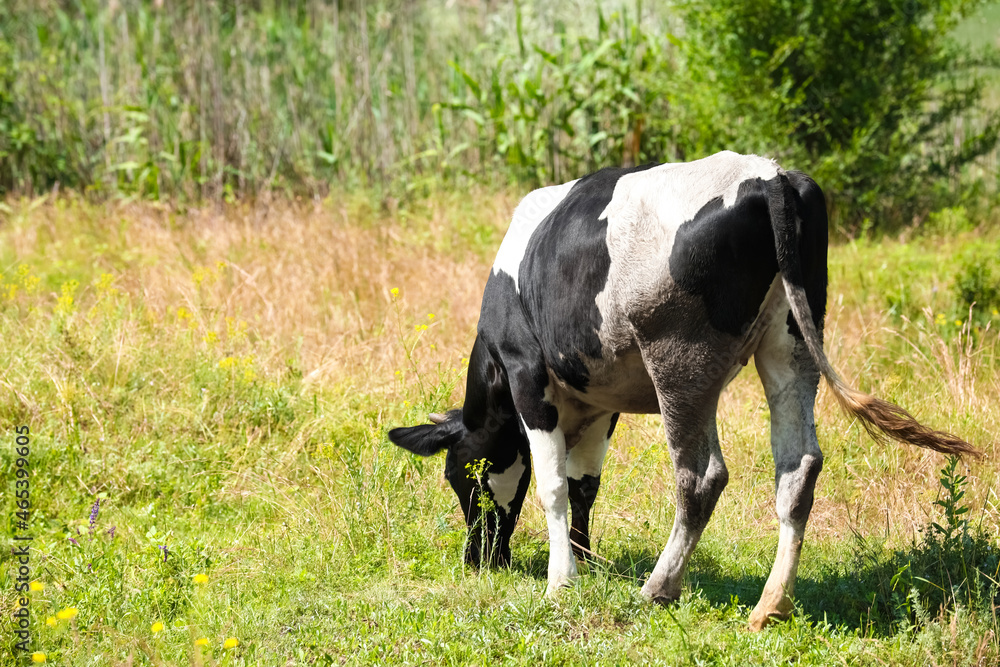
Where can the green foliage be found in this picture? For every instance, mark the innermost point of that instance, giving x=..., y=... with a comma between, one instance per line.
x=978, y=279
x=953, y=567
x=550, y=108
x=949, y=221
x=868, y=96
x=956, y=563
x=222, y=100
x=216, y=100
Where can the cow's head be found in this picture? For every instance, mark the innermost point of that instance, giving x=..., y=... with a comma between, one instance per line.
x=487, y=463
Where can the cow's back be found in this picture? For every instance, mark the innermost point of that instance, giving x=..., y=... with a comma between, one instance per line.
x=682, y=250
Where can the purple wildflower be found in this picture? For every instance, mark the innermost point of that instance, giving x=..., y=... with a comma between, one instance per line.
x=94, y=511
x=165, y=551
x=74, y=542
x=111, y=532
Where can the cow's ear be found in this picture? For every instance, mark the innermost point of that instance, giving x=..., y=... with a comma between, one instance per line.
x=430, y=439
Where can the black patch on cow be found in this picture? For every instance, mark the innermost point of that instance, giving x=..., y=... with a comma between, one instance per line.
x=504, y=329
x=565, y=267
x=614, y=422
x=810, y=206
x=582, y=493
x=726, y=256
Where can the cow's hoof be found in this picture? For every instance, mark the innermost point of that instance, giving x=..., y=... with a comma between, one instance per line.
x=663, y=600
x=553, y=590
x=760, y=618
x=660, y=597
x=773, y=605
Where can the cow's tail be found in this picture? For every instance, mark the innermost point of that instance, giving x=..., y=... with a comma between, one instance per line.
x=880, y=418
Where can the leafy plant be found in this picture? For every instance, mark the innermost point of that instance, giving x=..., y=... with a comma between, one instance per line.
x=580, y=102
x=955, y=564
x=978, y=281
x=823, y=85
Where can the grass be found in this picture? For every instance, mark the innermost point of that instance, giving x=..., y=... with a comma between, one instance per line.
x=221, y=380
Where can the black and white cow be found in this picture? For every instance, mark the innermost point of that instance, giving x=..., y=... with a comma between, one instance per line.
x=646, y=290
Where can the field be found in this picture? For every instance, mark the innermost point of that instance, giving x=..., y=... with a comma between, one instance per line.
x=208, y=392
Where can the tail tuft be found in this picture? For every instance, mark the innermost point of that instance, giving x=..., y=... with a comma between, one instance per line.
x=884, y=419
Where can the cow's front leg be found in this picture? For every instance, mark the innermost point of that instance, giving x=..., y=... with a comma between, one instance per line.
x=583, y=470
x=790, y=379
x=548, y=453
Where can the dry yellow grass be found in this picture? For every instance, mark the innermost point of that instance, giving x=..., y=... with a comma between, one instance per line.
x=314, y=282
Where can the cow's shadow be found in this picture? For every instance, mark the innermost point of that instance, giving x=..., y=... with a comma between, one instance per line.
x=854, y=597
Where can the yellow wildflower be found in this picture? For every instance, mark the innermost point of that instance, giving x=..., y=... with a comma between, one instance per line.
x=394, y=292
x=198, y=276
x=232, y=642
x=201, y=641
x=103, y=284
x=37, y=656
x=200, y=578
x=36, y=586
x=235, y=329
x=958, y=323
x=211, y=337
x=28, y=281
x=64, y=304
x=156, y=627
x=430, y=316
x=996, y=312
x=66, y=614
x=51, y=621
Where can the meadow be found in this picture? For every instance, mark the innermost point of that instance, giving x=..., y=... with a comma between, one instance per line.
x=208, y=392
x=241, y=241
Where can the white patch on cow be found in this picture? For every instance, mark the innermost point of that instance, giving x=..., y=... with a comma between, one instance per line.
x=674, y=192
x=548, y=453
x=527, y=216
x=504, y=485
x=587, y=457
x=644, y=214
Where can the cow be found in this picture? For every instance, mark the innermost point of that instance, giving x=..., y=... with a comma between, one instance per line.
x=646, y=290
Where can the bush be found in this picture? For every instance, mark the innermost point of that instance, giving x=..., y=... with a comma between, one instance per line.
x=864, y=94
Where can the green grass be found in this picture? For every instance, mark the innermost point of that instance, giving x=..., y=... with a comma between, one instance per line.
x=222, y=381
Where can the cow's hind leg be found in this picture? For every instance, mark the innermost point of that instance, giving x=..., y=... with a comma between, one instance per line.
x=583, y=472
x=699, y=470
x=790, y=380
